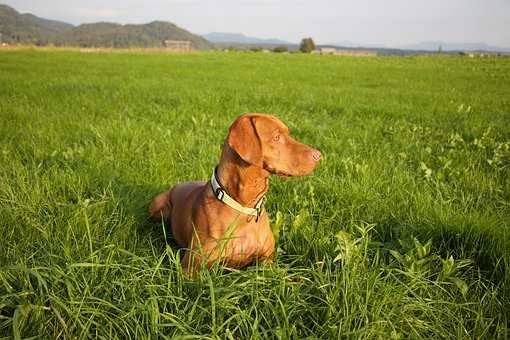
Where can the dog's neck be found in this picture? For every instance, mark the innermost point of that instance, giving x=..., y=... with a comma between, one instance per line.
x=243, y=182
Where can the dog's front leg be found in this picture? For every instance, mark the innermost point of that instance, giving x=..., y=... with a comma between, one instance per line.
x=194, y=258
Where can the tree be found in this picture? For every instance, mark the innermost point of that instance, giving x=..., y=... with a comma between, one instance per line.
x=307, y=45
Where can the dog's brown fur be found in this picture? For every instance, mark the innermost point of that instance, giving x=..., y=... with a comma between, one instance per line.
x=257, y=146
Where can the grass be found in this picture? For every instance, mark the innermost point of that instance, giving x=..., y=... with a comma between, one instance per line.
x=402, y=231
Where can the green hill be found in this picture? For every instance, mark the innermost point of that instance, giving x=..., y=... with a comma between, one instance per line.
x=115, y=35
x=28, y=28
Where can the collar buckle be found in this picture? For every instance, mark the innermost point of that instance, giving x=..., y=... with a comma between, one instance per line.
x=260, y=207
x=220, y=193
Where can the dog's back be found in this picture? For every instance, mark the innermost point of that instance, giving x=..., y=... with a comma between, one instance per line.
x=178, y=201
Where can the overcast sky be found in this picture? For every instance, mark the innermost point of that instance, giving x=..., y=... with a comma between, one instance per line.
x=384, y=22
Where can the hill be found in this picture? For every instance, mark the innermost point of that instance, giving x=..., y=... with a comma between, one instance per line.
x=237, y=38
x=115, y=35
x=435, y=45
x=28, y=28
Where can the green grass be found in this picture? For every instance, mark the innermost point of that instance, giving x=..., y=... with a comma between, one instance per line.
x=415, y=149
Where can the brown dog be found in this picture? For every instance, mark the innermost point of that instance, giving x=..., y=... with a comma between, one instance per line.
x=224, y=219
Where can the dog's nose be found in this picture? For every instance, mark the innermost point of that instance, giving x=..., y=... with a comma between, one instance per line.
x=316, y=155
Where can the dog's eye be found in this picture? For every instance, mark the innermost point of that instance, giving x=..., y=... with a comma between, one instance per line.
x=277, y=137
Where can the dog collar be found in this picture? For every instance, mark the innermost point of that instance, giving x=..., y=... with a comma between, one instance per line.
x=221, y=194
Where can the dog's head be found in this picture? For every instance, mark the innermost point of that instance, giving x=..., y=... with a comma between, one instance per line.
x=264, y=141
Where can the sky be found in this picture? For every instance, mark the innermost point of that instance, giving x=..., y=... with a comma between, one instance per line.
x=390, y=23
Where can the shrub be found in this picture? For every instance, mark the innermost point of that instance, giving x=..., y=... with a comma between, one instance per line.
x=280, y=49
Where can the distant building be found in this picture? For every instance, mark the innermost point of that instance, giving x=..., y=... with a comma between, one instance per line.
x=178, y=45
x=356, y=53
x=482, y=54
x=327, y=50
x=353, y=53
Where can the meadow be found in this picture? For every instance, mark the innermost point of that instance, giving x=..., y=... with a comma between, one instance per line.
x=401, y=232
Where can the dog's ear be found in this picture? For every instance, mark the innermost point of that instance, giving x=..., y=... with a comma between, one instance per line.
x=244, y=140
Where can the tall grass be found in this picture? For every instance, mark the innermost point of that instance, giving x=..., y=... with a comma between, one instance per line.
x=402, y=231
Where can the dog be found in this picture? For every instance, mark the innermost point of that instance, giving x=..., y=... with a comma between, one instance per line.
x=224, y=219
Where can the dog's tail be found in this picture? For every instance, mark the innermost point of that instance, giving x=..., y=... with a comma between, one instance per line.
x=161, y=207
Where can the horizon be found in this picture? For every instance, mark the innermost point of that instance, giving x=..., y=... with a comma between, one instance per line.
x=455, y=22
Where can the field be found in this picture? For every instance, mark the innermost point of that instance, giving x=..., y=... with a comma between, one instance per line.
x=401, y=232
